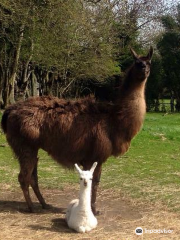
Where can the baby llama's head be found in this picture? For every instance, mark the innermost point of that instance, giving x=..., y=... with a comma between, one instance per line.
x=86, y=177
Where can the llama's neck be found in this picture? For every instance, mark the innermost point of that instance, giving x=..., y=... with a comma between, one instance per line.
x=132, y=88
x=131, y=93
x=128, y=117
x=85, y=198
x=132, y=98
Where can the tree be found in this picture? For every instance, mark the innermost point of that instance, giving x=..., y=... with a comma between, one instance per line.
x=54, y=41
x=156, y=83
x=136, y=22
x=16, y=20
x=169, y=48
x=49, y=46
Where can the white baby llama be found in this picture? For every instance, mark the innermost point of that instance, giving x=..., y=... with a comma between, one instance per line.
x=79, y=215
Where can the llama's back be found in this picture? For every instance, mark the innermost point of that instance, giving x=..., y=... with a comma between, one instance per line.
x=36, y=112
x=22, y=122
x=22, y=119
x=60, y=127
x=4, y=120
x=28, y=117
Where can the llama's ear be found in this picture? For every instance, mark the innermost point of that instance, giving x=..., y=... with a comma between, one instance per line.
x=150, y=53
x=78, y=168
x=134, y=54
x=93, y=167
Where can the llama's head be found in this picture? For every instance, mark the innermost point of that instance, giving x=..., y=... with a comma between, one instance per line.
x=142, y=65
x=86, y=176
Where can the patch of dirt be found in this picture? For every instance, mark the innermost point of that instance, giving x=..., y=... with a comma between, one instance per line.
x=118, y=219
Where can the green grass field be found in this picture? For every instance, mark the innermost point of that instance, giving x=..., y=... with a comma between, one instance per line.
x=149, y=172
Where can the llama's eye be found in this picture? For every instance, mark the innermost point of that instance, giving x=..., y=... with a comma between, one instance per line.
x=81, y=179
x=90, y=178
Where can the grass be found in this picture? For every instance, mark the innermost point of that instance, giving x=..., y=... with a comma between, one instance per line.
x=150, y=171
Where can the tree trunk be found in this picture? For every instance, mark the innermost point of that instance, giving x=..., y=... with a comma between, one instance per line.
x=1, y=87
x=6, y=87
x=172, y=101
x=178, y=104
x=1, y=99
x=157, y=105
x=14, y=68
x=25, y=73
x=163, y=109
x=177, y=97
x=34, y=84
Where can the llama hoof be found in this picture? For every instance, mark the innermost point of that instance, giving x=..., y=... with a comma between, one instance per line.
x=97, y=213
x=31, y=210
x=46, y=206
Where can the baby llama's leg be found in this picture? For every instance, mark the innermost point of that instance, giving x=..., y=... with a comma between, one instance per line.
x=81, y=229
x=88, y=229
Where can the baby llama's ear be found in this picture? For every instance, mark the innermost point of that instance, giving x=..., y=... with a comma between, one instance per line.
x=93, y=167
x=78, y=168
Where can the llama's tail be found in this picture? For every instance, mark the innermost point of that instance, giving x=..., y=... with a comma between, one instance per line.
x=4, y=120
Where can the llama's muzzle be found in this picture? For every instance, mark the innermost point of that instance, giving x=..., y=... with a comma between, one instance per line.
x=85, y=183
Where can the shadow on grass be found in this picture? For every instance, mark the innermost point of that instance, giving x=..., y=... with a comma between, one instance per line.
x=59, y=225
x=17, y=206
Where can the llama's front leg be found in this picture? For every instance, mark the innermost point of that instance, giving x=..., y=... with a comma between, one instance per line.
x=95, y=184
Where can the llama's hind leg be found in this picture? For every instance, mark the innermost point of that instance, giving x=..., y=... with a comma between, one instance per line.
x=27, y=160
x=35, y=187
x=24, y=180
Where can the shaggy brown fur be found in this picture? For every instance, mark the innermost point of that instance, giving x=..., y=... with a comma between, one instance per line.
x=82, y=132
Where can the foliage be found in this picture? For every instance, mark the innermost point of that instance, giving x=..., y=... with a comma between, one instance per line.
x=53, y=46
x=169, y=48
x=155, y=85
x=72, y=39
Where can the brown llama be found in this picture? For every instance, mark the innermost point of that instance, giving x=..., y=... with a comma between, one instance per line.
x=83, y=131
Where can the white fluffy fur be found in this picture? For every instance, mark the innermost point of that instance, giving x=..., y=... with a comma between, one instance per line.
x=79, y=215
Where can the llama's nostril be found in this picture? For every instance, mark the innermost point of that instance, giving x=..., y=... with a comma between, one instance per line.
x=143, y=65
x=85, y=183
